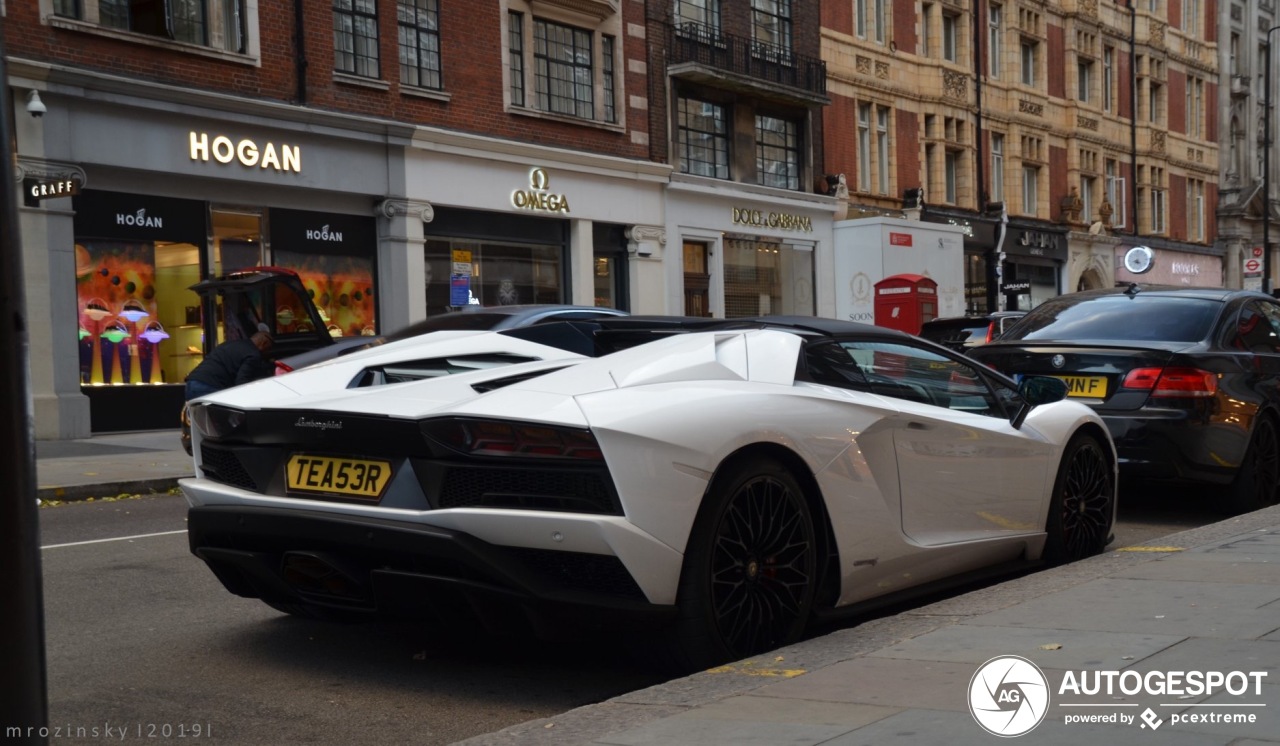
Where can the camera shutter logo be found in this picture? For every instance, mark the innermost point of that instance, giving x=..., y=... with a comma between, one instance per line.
x=1008, y=696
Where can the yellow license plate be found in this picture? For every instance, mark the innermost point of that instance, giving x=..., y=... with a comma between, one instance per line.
x=332, y=475
x=1089, y=387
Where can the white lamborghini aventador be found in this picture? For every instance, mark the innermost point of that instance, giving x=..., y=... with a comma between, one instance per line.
x=719, y=484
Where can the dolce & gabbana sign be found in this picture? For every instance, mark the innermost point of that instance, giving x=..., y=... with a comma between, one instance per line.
x=785, y=221
x=538, y=196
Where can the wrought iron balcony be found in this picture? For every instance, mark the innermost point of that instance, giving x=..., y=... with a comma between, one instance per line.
x=700, y=52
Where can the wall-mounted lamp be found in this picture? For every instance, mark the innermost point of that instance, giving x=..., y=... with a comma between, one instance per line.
x=35, y=107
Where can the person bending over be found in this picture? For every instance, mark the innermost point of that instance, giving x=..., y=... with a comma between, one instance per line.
x=231, y=364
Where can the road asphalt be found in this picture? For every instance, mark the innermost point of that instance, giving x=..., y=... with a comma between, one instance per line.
x=1176, y=641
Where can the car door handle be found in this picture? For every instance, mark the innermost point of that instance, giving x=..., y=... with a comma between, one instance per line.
x=917, y=426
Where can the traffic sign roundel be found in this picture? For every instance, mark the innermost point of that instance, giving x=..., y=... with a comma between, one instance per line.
x=1257, y=251
x=1252, y=265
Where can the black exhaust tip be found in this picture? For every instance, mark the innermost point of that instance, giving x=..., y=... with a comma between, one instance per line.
x=318, y=574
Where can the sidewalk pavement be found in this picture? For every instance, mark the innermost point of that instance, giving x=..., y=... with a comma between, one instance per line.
x=110, y=464
x=1207, y=599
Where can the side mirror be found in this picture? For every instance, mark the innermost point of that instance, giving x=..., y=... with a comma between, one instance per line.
x=1037, y=390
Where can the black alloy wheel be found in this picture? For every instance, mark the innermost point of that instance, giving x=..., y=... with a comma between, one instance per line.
x=1259, y=474
x=1083, y=503
x=751, y=571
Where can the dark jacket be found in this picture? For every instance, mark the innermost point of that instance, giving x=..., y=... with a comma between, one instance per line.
x=231, y=364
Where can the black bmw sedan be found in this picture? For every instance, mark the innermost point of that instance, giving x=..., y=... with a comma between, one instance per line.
x=1187, y=380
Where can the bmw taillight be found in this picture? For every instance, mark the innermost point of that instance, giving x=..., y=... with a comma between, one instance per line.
x=499, y=438
x=1173, y=382
x=991, y=331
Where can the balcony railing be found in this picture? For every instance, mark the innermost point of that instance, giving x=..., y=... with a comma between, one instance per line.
x=703, y=45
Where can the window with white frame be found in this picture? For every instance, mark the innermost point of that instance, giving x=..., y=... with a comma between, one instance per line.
x=221, y=25
x=1108, y=77
x=930, y=173
x=1114, y=184
x=355, y=37
x=1084, y=78
x=1030, y=190
x=1158, y=197
x=777, y=152
x=419, y=22
x=702, y=138
x=951, y=175
x=995, y=43
x=882, y=149
x=949, y=33
x=1191, y=17
x=1195, y=106
x=881, y=19
x=563, y=69
x=860, y=18
x=1088, y=188
x=926, y=12
x=1155, y=94
x=864, y=147
x=1029, y=54
x=997, y=167
x=1195, y=210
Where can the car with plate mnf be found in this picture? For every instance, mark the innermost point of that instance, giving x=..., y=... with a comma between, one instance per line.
x=707, y=488
x=1187, y=380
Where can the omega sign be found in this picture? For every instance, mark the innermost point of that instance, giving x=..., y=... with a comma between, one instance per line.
x=225, y=150
x=537, y=197
x=781, y=220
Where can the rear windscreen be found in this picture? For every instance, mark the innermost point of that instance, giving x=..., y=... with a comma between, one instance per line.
x=954, y=332
x=1142, y=318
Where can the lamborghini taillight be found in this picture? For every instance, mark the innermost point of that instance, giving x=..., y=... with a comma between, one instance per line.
x=499, y=438
x=1173, y=382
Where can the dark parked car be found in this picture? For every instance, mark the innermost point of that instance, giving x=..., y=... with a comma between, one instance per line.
x=960, y=333
x=1187, y=379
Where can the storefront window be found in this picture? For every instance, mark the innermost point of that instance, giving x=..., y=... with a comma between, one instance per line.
x=136, y=256
x=975, y=284
x=764, y=277
x=334, y=257
x=502, y=274
x=1043, y=282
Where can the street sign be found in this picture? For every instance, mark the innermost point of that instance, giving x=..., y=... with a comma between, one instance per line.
x=1252, y=266
x=1257, y=251
x=1253, y=283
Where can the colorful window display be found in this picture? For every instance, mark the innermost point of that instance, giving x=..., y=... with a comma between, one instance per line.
x=135, y=258
x=120, y=334
x=334, y=257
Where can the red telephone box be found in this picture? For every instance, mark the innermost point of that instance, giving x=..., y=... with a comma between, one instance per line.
x=905, y=302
